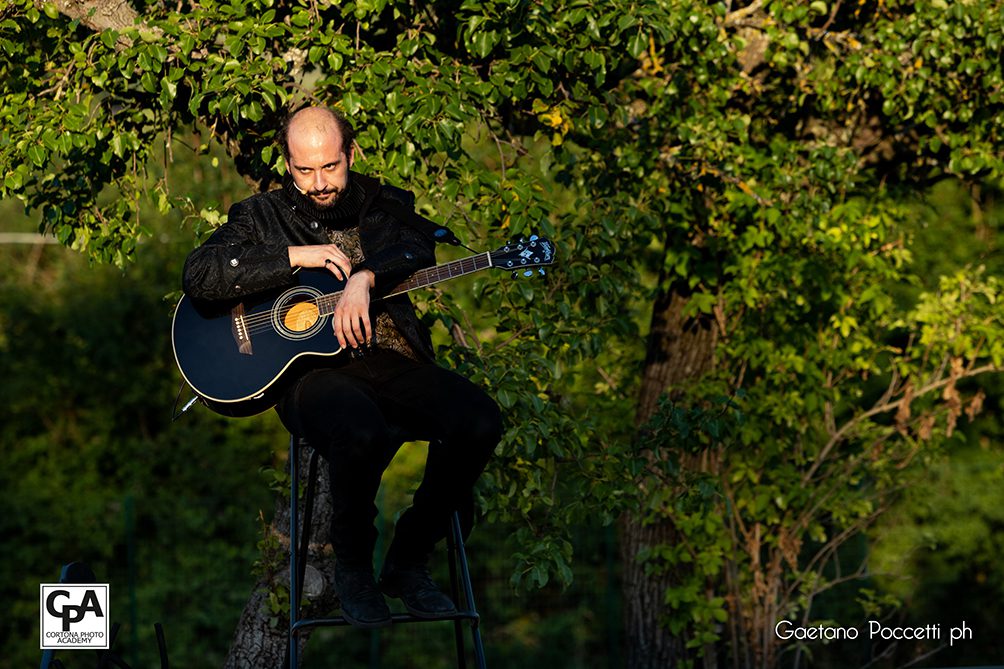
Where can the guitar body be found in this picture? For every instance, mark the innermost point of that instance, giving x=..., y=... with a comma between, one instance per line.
x=235, y=354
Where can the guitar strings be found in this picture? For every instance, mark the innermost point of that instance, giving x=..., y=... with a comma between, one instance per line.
x=264, y=321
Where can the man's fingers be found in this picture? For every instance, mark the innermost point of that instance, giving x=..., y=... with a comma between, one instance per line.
x=350, y=337
x=340, y=267
x=336, y=327
x=351, y=319
x=352, y=329
x=360, y=329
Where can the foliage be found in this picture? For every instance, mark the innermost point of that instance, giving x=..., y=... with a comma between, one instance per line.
x=95, y=471
x=769, y=154
x=944, y=540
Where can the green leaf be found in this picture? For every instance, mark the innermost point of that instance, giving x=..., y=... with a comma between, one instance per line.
x=506, y=399
x=637, y=44
x=484, y=42
x=169, y=88
x=186, y=43
x=253, y=111
x=37, y=155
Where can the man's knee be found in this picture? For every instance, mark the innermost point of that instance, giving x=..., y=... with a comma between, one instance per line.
x=360, y=440
x=484, y=422
x=368, y=440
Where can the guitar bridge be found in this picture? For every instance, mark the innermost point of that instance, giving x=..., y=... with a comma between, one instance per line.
x=239, y=328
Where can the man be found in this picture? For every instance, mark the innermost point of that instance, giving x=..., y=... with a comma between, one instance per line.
x=326, y=216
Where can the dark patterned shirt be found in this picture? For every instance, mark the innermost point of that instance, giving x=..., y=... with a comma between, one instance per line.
x=386, y=334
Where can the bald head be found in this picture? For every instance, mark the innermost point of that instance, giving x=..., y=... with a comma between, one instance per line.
x=317, y=145
x=317, y=120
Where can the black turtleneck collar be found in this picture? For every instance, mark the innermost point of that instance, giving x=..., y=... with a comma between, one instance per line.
x=345, y=213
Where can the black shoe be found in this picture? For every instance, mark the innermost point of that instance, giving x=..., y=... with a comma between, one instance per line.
x=362, y=603
x=413, y=585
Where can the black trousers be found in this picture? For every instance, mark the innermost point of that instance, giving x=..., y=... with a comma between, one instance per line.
x=355, y=414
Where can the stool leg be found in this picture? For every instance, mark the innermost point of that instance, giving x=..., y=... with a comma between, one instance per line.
x=298, y=556
x=292, y=659
x=458, y=630
x=465, y=577
x=308, y=514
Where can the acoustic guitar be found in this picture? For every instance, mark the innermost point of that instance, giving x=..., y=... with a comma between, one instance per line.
x=235, y=355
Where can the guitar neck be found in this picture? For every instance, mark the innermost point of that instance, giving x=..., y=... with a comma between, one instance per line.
x=451, y=270
x=421, y=278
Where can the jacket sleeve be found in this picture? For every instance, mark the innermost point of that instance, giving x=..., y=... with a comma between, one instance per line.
x=236, y=260
x=404, y=252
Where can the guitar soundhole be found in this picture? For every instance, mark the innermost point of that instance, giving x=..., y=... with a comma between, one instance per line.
x=301, y=316
x=295, y=314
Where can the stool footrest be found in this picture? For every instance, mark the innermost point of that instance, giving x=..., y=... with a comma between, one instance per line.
x=396, y=619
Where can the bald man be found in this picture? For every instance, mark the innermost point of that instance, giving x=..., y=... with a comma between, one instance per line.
x=327, y=216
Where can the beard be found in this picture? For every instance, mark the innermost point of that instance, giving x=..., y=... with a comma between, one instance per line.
x=337, y=195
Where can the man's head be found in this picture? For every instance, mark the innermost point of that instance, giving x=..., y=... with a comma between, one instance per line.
x=317, y=145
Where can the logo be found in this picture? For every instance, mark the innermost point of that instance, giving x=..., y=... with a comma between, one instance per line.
x=74, y=615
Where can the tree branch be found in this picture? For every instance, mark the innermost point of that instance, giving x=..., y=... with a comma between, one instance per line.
x=733, y=18
x=883, y=408
x=98, y=15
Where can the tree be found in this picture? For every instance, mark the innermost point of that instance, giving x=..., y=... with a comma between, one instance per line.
x=739, y=172
x=768, y=151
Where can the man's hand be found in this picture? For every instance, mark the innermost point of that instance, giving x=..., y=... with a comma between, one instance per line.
x=321, y=255
x=351, y=320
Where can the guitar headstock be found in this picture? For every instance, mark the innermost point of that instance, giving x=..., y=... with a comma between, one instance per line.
x=523, y=254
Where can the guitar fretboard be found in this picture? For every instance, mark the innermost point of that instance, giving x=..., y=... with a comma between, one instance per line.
x=420, y=279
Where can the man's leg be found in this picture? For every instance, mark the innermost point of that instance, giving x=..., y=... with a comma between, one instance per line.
x=339, y=416
x=468, y=437
x=463, y=425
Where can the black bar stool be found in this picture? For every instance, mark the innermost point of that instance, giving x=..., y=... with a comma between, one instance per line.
x=460, y=577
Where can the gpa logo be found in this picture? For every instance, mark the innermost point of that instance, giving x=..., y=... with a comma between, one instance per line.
x=74, y=615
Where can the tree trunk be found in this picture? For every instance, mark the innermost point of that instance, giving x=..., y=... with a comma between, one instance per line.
x=259, y=641
x=679, y=350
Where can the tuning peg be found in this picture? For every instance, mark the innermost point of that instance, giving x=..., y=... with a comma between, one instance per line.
x=541, y=271
x=528, y=272
x=534, y=238
x=515, y=274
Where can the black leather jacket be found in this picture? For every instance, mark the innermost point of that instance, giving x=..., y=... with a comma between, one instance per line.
x=248, y=253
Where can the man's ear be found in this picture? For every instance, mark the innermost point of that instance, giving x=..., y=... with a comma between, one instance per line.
x=352, y=154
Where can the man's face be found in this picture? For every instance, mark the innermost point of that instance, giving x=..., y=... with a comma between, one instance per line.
x=318, y=163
